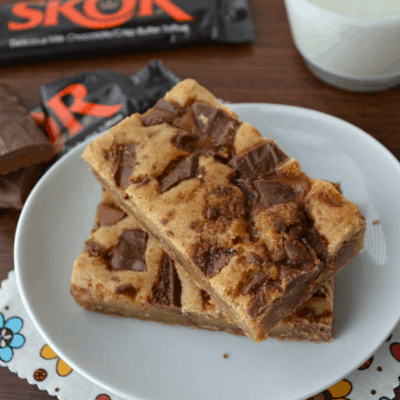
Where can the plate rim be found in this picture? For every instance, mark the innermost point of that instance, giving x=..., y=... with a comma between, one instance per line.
x=272, y=107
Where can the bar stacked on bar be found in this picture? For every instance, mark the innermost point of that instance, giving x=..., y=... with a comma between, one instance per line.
x=124, y=271
x=237, y=213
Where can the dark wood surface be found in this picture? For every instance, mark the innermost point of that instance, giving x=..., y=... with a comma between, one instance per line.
x=270, y=70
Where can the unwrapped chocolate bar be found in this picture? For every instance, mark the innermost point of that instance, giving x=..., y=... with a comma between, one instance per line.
x=22, y=142
x=230, y=206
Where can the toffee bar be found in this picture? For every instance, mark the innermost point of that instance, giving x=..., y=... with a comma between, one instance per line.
x=230, y=206
x=124, y=272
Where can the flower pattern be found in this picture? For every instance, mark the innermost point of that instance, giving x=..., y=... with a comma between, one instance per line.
x=10, y=339
x=62, y=368
x=335, y=392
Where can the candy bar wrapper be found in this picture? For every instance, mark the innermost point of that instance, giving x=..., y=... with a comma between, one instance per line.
x=78, y=106
x=67, y=27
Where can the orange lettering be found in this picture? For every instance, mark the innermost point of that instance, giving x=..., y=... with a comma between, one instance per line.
x=64, y=113
x=99, y=21
x=91, y=17
x=146, y=9
x=124, y=14
x=34, y=17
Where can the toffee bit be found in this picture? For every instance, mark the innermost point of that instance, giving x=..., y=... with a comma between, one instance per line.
x=226, y=355
x=376, y=222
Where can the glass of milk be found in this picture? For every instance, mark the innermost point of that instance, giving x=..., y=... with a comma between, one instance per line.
x=351, y=44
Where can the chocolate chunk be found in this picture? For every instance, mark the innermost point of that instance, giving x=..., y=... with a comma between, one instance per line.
x=203, y=128
x=204, y=116
x=108, y=215
x=211, y=260
x=188, y=123
x=254, y=282
x=317, y=242
x=259, y=161
x=255, y=259
x=297, y=253
x=206, y=298
x=211, y=213
x=186, y=140
x=257, y=306
x=127, y=290
x=216, y=123
x=223, y=130
x=273, y=192
x=185, y=170
x=222, y=260
x=128, y=254
x=163, y=111
x=124, y=164
x=22, y=143
x=251, y=195
x=168, y=288
x=94, y=249
x=16, y=186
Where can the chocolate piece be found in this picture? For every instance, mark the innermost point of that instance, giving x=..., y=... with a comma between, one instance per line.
x=129, y=252
x=297, y=253
x=127, y=290
x=167, y=290
x=257, y=306
x=185, y=170
x=16, y=186
x=22, y=143
x=108, y=214
x=256, y=259
x=273, y=192
x=187, y=140
x=124, y=164
x=210, y=260
x=254, y=283
x=259, y=161
x=163, y=111
x=94, y=249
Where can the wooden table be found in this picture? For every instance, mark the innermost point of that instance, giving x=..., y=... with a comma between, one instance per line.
x=270, y=70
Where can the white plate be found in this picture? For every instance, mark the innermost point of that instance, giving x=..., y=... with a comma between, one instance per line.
x=143, y=360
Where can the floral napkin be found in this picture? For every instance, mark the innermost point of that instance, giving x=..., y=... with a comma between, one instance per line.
x=25, y=352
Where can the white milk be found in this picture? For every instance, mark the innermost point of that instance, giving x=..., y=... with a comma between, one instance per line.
x=362, y=8
x=352, y=44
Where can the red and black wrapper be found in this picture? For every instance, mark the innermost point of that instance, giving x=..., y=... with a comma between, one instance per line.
x=64, y=27
x=82, y=105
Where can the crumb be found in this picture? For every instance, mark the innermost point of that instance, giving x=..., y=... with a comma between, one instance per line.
x=376, y=222
x=226, y=355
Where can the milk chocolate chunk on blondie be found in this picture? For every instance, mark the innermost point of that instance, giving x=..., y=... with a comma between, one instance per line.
x=227, y=192
x=164, y=292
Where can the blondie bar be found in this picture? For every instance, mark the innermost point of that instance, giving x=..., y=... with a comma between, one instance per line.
x=124, y=272
x=230, y=206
